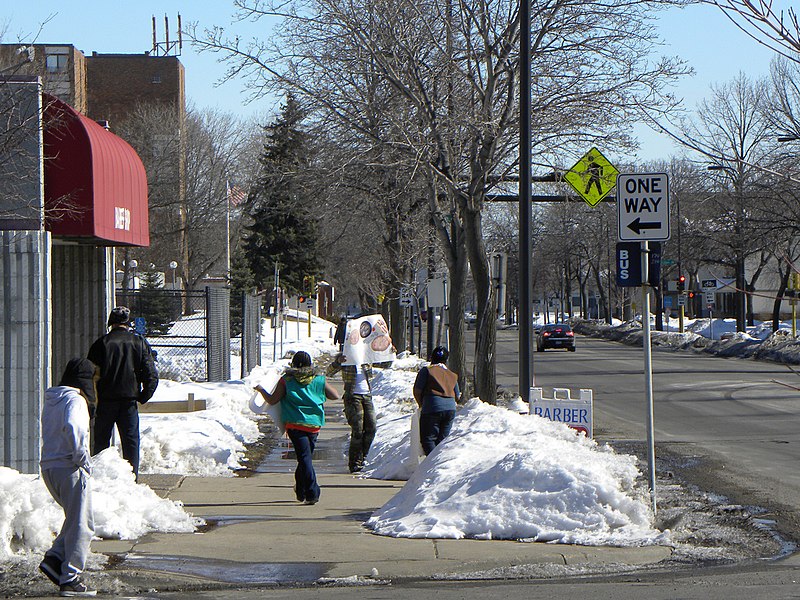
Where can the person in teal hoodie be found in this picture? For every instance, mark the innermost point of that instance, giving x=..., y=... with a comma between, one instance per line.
x=302, y=393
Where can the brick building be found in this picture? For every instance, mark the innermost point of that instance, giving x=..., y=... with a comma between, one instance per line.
x=62, y=68
x=104, y=87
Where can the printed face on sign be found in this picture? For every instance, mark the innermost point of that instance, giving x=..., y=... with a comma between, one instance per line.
x=367, y=341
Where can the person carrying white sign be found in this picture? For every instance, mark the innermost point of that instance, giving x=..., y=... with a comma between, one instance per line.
x=364, y=340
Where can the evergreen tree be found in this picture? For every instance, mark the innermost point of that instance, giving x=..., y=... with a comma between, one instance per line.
x=283, y=228
x=155, y=303
x=242, y=280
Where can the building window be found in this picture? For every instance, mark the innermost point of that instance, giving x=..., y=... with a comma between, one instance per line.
x=157, y=78
x=56, y=63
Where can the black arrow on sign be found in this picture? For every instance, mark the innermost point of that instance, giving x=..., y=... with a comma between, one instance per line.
x=636, y=225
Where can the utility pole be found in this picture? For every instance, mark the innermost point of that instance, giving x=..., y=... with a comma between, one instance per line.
x=525, y=244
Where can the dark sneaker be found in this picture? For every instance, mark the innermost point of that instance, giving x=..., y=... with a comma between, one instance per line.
x=76, y=587
x=51, y=567
x=310, y=501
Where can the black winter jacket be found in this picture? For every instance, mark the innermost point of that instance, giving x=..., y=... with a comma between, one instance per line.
x=127, y=369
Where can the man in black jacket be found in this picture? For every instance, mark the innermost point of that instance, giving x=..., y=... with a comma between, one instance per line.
x=128, y=377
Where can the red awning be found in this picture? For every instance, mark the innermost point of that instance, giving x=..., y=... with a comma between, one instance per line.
x=95, y=185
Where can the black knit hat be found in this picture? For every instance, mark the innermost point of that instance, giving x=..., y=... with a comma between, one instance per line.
x=119, y=315
x=80, y=373
x=439, y=355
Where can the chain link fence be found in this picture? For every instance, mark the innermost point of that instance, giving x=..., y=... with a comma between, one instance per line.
x=250, y=349
x=218, y=333
x=190, y=331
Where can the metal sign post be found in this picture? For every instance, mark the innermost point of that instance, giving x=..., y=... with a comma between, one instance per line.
x=275, y=313
x=643, y=216
x=648, y=376
x=795, y=287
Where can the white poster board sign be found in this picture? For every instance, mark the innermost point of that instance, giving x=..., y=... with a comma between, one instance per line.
x=259, y=406
x=367, y=341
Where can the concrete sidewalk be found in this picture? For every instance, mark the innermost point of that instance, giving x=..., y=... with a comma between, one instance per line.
x=258, y=533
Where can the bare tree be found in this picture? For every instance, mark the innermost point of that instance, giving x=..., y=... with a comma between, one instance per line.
x=455, y=65
x=778, y=30
x=193, y=227
x=782, y=105
x=732, y=132
x=154, y=131
x=221, y=153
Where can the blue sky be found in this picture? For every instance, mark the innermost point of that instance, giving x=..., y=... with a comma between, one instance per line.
x=700, y=34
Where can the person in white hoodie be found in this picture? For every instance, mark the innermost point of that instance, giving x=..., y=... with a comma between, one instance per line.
x=66, y=466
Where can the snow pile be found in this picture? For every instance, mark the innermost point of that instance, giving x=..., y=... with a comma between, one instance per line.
x=206, y=442
x=123, y=509
x=714, y=336
x=502, y=475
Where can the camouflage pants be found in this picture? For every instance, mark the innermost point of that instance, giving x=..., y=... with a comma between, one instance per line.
x=360, y=413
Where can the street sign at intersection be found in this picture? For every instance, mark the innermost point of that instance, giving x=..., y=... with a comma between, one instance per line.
x=708, y=284
x=593, y=176
x=643, y=207
x=406, y=299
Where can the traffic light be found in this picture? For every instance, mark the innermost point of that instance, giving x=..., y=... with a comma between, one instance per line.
x=681, y=283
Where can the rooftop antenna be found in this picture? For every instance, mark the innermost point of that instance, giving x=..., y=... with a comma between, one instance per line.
x=167, y=48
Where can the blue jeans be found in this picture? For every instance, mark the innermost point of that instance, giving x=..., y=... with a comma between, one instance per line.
x=125, y=415
x=434, y=427
x=305, y=479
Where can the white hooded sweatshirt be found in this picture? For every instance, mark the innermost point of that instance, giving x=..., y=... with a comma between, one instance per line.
x=65, y=429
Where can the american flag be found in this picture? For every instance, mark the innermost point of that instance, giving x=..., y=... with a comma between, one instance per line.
x=236, y=194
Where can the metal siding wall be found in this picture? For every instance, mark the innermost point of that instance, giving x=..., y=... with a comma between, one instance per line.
x=24, y=345
x=81, y=300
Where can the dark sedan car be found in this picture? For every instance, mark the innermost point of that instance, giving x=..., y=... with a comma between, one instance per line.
x=559, y=335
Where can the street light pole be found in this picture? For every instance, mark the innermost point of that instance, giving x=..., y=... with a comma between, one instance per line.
x=173, y=265
x=681, y=307
x=133, y=264
x=525, y=244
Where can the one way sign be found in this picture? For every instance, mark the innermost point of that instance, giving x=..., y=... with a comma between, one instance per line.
x=643, y=207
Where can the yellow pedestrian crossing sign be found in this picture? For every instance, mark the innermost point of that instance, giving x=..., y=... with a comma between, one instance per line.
x=593, y=177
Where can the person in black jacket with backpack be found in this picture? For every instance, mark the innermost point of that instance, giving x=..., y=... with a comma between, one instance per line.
x=128, y=377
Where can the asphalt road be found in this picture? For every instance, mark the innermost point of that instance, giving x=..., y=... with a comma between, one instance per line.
x=732, y=416
x=775, y=582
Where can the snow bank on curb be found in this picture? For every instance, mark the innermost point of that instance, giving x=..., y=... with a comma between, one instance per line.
x=502, y=475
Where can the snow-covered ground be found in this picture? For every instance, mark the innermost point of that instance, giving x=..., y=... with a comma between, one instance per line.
x=716, y=336
x=500, y=474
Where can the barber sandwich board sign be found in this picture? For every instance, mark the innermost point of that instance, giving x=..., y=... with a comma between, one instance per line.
x=574, y=413
x=643, y=207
